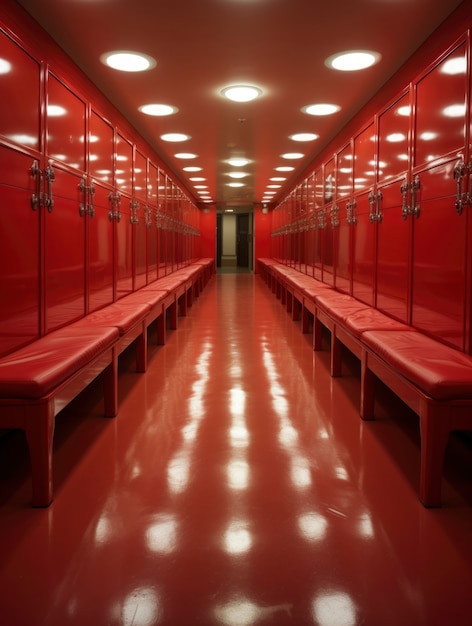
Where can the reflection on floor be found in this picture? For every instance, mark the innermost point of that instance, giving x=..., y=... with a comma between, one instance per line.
x=236, y=487
x=233, y=270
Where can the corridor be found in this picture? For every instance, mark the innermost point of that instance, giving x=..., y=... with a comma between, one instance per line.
x=236, y=487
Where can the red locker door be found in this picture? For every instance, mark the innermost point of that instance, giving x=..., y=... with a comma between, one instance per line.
x=64, y=224
x=439, y=286
x=310, y=201
x=367, y=203
x=122, y=199
x=344, y=190
x=394, y=231
x=19, y=251
x=140, y=219
x=153, y=249
x=20, y=79
x=100, y=232
x=161, y=221
x=330, y=221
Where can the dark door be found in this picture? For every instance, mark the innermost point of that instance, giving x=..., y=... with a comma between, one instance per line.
x=242, y=240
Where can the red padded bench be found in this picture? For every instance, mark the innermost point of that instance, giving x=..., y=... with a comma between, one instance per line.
x=434, y=380
x=39, y=380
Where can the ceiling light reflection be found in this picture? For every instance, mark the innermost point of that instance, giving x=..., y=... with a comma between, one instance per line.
x=312, y=526
x=300, y=472
x=126, y=61
x=244, y=612
x=237, y=538
x=334, y=609
x=161, y=535
x=238, y=474
x=141, y=607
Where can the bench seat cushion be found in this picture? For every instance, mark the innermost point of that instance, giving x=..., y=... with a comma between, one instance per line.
x=36, y=369
x=122, y=315
x=372, y=319
x=441, y=372
x=339, y=306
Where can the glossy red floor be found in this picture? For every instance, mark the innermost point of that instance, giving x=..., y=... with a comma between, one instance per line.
x=237, y=487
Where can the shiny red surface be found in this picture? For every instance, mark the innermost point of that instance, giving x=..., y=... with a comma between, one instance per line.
x=237, y=486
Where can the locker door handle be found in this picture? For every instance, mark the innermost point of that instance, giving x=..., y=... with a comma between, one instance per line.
x=37, y=174
x=50, y=177
x=463, y=198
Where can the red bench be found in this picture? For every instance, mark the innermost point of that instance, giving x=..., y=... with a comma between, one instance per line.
x=40, y=379
x=434, y=380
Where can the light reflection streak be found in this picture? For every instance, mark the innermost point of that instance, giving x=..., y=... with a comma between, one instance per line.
x=238, y=474
x=178, y=468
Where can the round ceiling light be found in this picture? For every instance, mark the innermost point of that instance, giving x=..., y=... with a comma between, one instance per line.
x=238, y=162
x=321, y=109
x=158, y=110
x=185, y=155
x=304, y=137
x=241, y=93
x=175, y=137
x=352, y=60
x=126, y=61
x=292, y=155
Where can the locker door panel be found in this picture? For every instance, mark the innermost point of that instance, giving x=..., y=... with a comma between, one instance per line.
x=20, y=79
x=363, y=262
x=100, y=255
x=124, y=246
x=439, y=258
x=364, y=159
x=153, y=258
x=64, y=254
x=19, y=253
x=440, y=108
x=140, y=239
x=329, y=236
x=65, y=125
x=393, y=137
x=161, y=218
x=343, y=252
x=393, y=255
x=101, y=148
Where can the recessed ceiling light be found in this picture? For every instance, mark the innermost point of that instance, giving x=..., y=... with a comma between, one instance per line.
x=304, y=137
x=352, y=60
x=158, y=110
x=235, y=184
x=185, y=155
x=292, y=155
x=201, y=186
x=126, y=61
x=284, y=168
x=192, y=168
x=274, y=186
x=237, y=174
x=196, y=179
x=278, y=178
x=240, y=162
x=175, y=137
x=241, y=93
x=321, y=109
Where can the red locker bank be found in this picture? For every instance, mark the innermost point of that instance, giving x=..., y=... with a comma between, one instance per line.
x=235, y=313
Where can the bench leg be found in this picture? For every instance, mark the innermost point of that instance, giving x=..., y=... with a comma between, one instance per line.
x=161, y=329
x=110, y=387
x=39, y=434
x=305, y=320
x=296, y=308
x=336, y=354
x=434, y=427
x=173, y=316
x=141, y=350
x=367, y=390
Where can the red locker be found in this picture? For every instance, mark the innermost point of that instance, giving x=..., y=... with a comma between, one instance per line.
x=394, y=231
x=121, y=207
x=439, y=286
x=329, y=222
x=153, y=233
x=100, y=234
x=140, y=219
x=161, y=220
x=64, y=222
x=345, y=218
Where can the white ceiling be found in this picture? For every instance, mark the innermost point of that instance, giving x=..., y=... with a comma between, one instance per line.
x=201, y=46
